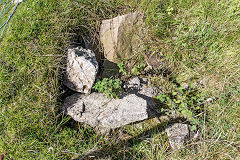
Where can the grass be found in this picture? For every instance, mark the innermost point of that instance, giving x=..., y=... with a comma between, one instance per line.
x=199, y=40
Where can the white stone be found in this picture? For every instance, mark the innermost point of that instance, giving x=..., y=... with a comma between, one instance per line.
x=17, y=1
x=140, y=86
x=81, y=70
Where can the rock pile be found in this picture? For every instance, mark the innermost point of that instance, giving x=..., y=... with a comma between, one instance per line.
x=135, y=104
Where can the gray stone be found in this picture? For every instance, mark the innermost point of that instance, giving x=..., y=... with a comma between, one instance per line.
x=178, y=134
x=81, y=71
x=140, y=86
x=99, y=111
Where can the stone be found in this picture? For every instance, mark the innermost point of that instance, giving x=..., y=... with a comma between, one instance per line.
x=81, y=70
x=178, y=134
x=140, y=86
x=99, y=111
x=119, y=36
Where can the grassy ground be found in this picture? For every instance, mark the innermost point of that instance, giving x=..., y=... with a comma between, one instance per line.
x=200, y=40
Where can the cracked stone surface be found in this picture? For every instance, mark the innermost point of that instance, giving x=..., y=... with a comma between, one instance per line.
x=178, y=134
x=81, y=70
x=99, y=111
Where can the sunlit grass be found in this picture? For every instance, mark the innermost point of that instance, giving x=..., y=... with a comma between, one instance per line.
x=199, y=41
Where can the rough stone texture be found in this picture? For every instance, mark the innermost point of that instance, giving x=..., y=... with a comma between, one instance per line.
x=81, y=70
x=141, y=86
x=99, y=111
x=119, y=36
x=177, y=134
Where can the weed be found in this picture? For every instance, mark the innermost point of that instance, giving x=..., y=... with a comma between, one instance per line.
x=186, y=102
x=111, y=87
x=138, y=69
x=122, y=68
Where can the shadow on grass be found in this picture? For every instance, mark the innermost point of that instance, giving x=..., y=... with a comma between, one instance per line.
x=123, y=143
x=120, y=149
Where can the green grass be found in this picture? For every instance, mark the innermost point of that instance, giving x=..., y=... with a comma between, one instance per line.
x=199, y=41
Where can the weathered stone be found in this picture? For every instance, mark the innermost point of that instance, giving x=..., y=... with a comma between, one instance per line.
x=99, y=111
x=119, y=36
x=81, y=70
x=137, y=85
x=178, y=134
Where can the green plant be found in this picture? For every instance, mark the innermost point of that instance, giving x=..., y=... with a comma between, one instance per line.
x=137, y=69
x=122, y=68
x=111, y=87
x=186, y=102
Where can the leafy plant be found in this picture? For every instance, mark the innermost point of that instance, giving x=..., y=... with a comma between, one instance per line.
x=137, y=69
x=186, y=102
x=122, y=68
x=111, y=87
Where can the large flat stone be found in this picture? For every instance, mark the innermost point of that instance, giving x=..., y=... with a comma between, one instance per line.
x=99, y=111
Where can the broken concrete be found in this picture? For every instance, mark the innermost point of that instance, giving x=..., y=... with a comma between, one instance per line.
x=81, y=71
x=178, y=134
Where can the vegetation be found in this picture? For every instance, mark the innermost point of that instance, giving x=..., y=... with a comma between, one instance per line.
x=111, y=87
x=187, y=102
x=198, y=40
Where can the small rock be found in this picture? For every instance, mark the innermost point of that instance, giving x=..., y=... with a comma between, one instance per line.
x=106, y=113
x=81, y=71
x=140, y=86
x=185, y=85
x=178, y=134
